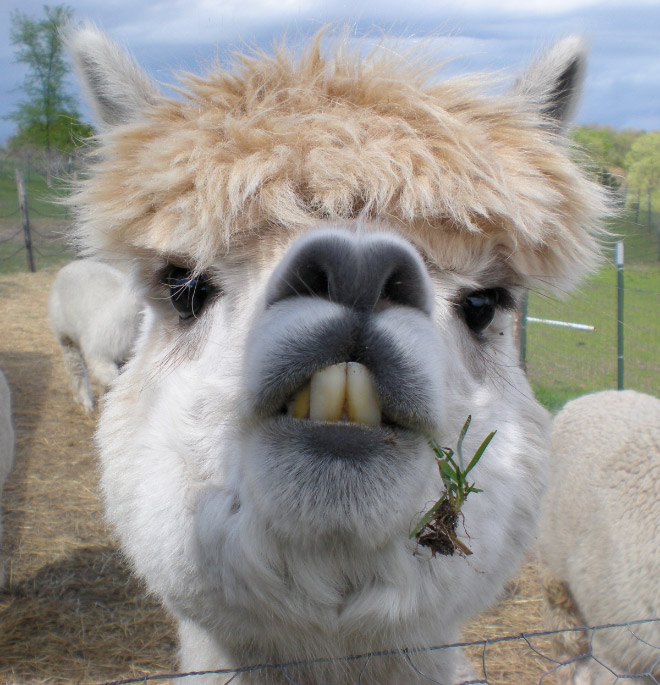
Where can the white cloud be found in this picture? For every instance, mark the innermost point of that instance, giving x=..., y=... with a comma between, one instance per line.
x=542, y=7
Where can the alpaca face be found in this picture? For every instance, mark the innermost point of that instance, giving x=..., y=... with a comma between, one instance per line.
x=331, y=253
x=334, y=365
x=343, y=370
x=295, y=395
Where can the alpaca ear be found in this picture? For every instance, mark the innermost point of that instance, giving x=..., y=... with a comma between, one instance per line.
x=115, y=87
x=553, y=82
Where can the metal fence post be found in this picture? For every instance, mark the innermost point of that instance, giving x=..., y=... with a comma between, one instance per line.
x=25, y=219
x=523, y=333
x=618, y=260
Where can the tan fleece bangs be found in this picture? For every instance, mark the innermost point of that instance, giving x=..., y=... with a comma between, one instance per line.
x=282, y=144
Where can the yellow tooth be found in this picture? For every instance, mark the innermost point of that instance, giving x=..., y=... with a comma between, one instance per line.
x=328, y=393
x=362, y=404
x=298, y=407
x=343, y=391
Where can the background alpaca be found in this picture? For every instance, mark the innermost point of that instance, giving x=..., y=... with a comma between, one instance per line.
x=599, y=534
x=6, y=451
x=331, y=250
x=94, y=314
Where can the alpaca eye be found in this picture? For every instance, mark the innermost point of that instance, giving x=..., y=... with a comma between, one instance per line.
x=188, y=292
x=479, y=308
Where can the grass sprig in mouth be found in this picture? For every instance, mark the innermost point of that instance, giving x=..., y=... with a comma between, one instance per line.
x=437, y=527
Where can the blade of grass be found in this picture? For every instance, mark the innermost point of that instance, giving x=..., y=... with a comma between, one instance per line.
x=461, y=437
x=426, y=518
x=479, y=452
x=454, y=478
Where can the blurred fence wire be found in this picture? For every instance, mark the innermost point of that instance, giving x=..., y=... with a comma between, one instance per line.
x=563, y=362
x=537, y=642
x=33, y=228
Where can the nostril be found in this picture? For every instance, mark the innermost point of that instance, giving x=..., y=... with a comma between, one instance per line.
x=400, y=288
x=409, y=284
x=311, y=268
x=310, y=279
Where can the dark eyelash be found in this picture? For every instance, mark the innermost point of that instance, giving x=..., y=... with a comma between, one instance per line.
x=188, y=292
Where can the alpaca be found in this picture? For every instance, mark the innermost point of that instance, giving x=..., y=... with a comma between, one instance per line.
x=6, y=451
x=332, y=248
x=94, y=314
x=599, y=536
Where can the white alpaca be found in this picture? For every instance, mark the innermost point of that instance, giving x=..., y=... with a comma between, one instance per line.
x=333, y=249
x=6, y=451
x=94, y=313
x=600, y=535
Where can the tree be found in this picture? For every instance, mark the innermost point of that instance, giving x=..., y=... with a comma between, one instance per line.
x=643, y=162
x=606, y=150
x=48, y=119
x=606, y=146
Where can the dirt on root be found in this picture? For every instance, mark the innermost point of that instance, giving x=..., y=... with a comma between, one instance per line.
x=72, y=612
x=439, y=534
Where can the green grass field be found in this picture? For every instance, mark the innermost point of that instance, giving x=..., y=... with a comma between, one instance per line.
x=563, y=363
x=49, y=222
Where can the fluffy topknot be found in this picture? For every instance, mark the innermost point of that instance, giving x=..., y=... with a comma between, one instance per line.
x=279, y=144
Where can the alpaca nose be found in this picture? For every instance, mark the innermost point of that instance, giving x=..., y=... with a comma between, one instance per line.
x=362, y=272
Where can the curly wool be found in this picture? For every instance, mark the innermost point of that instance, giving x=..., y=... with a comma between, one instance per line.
x=599, y=530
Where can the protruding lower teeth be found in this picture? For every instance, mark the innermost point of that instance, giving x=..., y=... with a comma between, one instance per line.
x=343, y=391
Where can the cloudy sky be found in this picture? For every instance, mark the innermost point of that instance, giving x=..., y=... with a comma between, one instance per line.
x=623, y=82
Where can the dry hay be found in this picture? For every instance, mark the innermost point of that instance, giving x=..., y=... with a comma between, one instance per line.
x=512, y=662
x=71, y=612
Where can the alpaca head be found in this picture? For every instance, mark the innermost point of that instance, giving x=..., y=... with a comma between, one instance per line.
x=331, y=249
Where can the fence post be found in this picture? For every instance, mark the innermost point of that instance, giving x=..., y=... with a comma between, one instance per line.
x=25, y=219
x=523, y=333
x=618, y=260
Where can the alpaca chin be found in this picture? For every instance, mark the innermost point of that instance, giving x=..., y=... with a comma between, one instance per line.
x=336, y=481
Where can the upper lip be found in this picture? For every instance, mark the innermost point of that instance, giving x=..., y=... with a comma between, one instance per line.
x=401, y=384
x=400, y=393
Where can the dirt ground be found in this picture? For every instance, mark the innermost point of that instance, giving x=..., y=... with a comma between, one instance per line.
x=71, y=612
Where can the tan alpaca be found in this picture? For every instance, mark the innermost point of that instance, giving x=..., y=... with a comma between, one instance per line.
x=599, y=537
x=331, y=248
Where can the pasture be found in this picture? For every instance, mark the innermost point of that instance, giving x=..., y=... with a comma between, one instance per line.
x=72, y=613
x=564, y=363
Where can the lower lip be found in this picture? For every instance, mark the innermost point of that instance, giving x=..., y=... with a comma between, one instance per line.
x=337, y=439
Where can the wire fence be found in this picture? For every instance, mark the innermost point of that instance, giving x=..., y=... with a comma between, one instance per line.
x=597, y=661
x=34, y=228
x=581, y=354
x=50, y=247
